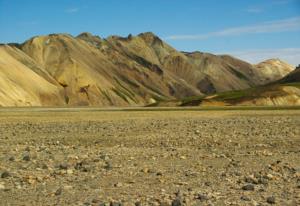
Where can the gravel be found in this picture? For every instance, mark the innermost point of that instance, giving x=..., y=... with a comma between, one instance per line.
x=150, y=158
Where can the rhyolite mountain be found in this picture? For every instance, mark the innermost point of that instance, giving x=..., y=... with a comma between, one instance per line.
x=62, y=70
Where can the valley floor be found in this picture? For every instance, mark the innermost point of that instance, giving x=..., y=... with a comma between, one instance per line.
x=149, y=157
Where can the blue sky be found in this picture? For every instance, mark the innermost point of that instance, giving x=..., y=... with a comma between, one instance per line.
x=253, y=30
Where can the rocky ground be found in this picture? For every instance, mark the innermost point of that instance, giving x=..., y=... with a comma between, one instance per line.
x=149, y=158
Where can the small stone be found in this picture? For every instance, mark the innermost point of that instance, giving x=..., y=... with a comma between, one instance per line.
x=108, y=165
x=12, y=158
x=145, y=170
x=69, y=171
x=31, y=180
x=263, y=181
x=44, y=166
x=159, y=174
x=68, y=187
x=26, y=158
x=207, y=184
x=138, y=204
x=251, y=179
x=254, y=203
x=63, y=166
x=5, y=174
x=104, y=157
x=58, y=191
x=118, y=184
x=177, y=202
x=271, y=200
x=248, y=187
x=270, y=176
x=95, y=200
x=202, y=197
x=115, y=204
x=245, y=198
x=197, y=131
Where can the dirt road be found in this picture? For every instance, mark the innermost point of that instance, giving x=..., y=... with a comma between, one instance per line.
x=90, y=157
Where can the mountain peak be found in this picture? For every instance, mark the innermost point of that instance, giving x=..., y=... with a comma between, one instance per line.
x=275, y=62
x=150, y=38
x=85, y=35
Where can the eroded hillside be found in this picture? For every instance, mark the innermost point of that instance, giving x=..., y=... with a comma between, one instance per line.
x=59, y=69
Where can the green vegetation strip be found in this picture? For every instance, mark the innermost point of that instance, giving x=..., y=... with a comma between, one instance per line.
x=144, y=109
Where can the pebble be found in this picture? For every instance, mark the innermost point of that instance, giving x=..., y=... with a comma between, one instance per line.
x=58, y=191
x=26, y=157
x=5, y=174
x=271, y=200
x=118, y=184
x=202, y=197
x=63, y=166
x=263, y=181
x=251, y=179
x=177, y=202
x=69, y=171
x=248, y=187
x=12, y=158
x=245, y=198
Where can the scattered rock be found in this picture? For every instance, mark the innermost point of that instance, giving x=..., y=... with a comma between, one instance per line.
x=5, y=174
x=58, y=191
x=119, y=184
x=108, y=165
x=202, y=197
x=245, y=198
x=26, y=157
x=12, y=158
x=63, y=166
x=138, y=204
x=177, y=202
x=251, y=179
x=69, y=171
x=159, y=174
x=248, y=187
x=271, y=200
x=115, y=204
x=263, y=181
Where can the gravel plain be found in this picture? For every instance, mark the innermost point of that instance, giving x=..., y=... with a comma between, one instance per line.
x=89, y=157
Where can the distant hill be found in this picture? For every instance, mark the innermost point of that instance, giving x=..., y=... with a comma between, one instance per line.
x=284, y=92
x=62, y=70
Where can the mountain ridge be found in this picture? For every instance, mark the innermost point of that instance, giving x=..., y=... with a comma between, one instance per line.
x=88, y=70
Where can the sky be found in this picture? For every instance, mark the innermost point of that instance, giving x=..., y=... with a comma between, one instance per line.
x=252, y=30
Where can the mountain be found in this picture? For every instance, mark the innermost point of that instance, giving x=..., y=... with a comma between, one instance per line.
x=292, y=77
x=62, y=70
x=273, y=69
x=283, y=92
x=24, y=83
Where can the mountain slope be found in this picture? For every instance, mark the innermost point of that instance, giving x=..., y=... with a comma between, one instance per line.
x=118, y=71
x=21, y=86
x=284, y=92
x=273, y=69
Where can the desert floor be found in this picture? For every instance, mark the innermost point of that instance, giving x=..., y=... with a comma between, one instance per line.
x=176, y=157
